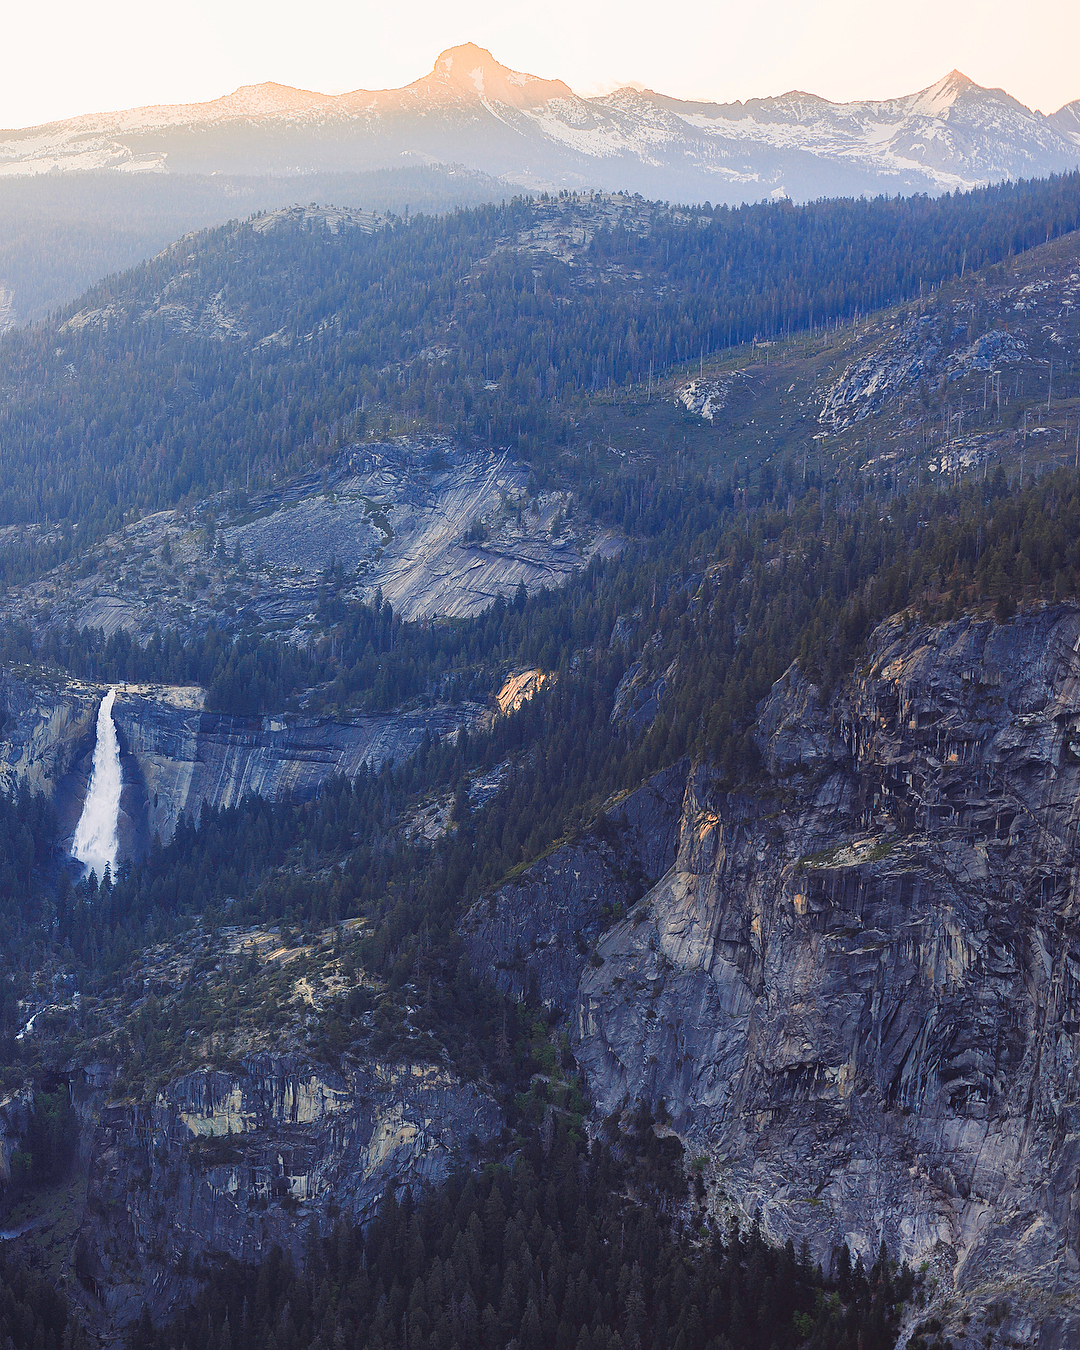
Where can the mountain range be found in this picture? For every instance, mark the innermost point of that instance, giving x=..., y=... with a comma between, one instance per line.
x=537, y=133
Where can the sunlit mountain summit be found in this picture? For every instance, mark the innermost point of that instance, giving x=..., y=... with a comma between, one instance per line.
x=535, y=132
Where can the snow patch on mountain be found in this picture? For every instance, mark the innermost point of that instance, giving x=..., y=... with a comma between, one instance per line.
x=1066, y=121
x=471, y=110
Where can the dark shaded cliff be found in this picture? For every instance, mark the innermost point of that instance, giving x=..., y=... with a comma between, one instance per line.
x=533, y=935
x=234, y=1162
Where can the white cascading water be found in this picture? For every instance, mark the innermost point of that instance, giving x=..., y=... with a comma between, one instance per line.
x=96, y=840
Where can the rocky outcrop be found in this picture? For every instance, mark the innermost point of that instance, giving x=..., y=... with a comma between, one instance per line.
x=518, y=688
x=856, y=989
x=175, y=755
x=889, y=369
x=233, y=1162
x=707, y=398
x=639, y=694
x=45, y=726
x=533, y=936
x=9, y=314
x=397, y=516
x=861, y=995
x=434, y=528
x=793, y=732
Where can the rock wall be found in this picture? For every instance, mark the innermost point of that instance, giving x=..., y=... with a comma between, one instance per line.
x=175, y=755
x=533, y=936
x=14, y=1117
x=862, y=994
x=46, y=727
x=186, y=757
x=233, y=1162
x=858, y=990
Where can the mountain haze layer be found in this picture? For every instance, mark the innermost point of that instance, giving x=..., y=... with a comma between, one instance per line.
x=534, y=132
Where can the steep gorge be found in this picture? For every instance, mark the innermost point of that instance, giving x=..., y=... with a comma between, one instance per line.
x=856, y=989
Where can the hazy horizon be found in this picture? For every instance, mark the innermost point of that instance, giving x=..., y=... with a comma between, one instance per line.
x=115, y=56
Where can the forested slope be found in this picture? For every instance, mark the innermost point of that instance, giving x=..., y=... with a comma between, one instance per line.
x=553, y=1252
x=60, y=234
x=249, y=352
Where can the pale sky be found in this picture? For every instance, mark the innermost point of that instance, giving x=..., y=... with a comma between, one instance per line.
x=75, y=56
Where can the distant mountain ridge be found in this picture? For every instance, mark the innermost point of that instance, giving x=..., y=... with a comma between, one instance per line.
x=537, y=133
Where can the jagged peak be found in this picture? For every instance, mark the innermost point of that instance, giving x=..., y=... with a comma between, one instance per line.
x=466, y=56
x=940, y=97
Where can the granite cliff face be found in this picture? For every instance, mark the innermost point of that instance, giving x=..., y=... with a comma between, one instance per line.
x=859, y=991
x=238, y=1155
x=175, y=755
x=184, y=757
x=431, y=527
x=534, y=935
x=237, y=1161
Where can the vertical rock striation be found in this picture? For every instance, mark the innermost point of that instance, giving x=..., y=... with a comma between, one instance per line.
x=859, y=990
x=175, y=755
x=235, y=1161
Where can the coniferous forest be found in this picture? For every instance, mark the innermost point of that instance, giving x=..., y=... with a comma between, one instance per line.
x=548, y=1252
x=149, y=394
x=326, y=927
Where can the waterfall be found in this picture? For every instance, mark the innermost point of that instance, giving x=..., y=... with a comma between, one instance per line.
x=96, y=839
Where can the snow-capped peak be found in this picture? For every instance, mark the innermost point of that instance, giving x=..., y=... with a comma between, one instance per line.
x=940, y=97
x=536, y=133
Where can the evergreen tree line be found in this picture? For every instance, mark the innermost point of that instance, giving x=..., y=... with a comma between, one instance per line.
x=369, y=658
x=60, y=232
x=28, y=844
x=810, y=580
x=988, y=542
x=548, y=1254
x=243, y=674
x=34, y=1315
